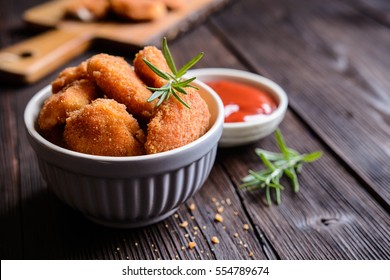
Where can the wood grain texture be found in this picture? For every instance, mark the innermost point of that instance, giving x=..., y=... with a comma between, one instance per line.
x=324, y=219
x=338, y=93
x=10, y=207
x=30, y=60
x=378, y=10
x=331, y=100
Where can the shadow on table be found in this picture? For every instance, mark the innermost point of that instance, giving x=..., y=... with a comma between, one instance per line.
x=43, y=227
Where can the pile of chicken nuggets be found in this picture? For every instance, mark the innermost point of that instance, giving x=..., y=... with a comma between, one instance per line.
x=101, y=107
x=132, y=10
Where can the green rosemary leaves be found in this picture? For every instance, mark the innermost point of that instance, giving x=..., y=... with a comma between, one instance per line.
x=288, y=162
x=176, y=84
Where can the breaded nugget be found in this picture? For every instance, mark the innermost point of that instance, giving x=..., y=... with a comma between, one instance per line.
x=58, y=106
x=154, y=56
x=139, y=10
x=173, y=125
x=118, y=81
x=68, y=75
x=88, y=10
x=105, y=128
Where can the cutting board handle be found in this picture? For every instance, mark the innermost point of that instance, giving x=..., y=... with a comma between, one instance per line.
x=31, y=60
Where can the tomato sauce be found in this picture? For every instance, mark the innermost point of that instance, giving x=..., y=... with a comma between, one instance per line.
x=243, y=102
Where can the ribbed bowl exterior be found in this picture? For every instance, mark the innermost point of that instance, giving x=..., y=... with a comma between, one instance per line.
x=126, y=191
x=132, y=201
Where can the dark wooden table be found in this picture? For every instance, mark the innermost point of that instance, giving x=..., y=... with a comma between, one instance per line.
x=333, y=60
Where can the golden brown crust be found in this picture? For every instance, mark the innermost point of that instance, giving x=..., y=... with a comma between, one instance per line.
x=105, y=128
x=139, y=10
x=118, y=81
x=154, y=56
x=58, y=106
x=174, y=125
x=69, y=75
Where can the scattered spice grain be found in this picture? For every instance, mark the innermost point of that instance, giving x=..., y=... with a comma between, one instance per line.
x=192, y=207
x=184, y=224
x=191, y=245
x=215, y=240
x=218, y=218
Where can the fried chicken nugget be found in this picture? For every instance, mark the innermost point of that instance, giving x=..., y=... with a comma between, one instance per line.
x=118, y=81
x=140, y=10
x=59, y=105
x=88, y=10
x=154, y=56
x=68, y=75
x=173, y=125
x=105, y=128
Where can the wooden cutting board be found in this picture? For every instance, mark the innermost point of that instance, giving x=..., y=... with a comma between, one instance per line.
x=34, y=58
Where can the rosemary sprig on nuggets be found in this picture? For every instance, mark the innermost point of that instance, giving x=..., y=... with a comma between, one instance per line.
x=176, y=84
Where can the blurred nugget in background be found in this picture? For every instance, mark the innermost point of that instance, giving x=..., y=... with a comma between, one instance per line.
x=88, y=10
x=132, y=10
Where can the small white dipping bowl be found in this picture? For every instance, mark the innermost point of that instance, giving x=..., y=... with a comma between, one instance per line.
x=126, y=191
x=241, y=133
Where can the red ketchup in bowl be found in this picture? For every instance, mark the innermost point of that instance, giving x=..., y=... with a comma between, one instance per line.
x=243, y=102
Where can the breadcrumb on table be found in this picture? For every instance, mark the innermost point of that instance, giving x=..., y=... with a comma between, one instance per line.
x=218, y=218
x=191, y=244
x=215, y=240
x=184, y=224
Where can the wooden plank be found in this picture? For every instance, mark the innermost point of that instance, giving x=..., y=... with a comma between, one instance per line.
x=288, y=47
x=330, y=214
x=32, y=59
x=332, y=211
x=10, y=214
x=376, y=9
x=52, y=230
x=332, y=217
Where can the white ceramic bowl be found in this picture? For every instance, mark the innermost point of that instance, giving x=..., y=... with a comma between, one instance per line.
x=126, y=191
x=240, y=133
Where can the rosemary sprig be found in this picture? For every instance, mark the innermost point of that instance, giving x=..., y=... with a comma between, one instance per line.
x=288, y=162
x=175, y=83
